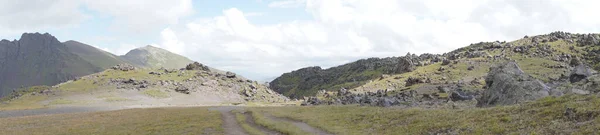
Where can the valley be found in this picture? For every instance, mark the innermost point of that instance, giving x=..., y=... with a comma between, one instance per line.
x=543, y=84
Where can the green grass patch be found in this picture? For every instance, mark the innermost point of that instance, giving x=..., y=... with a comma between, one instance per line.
x=281, y=126
x=156, y=93
x=116, y=99
x=241, y=119
x=61, y=101
x=178, y=121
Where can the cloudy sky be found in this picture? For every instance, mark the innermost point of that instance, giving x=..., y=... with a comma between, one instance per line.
x=262, y=39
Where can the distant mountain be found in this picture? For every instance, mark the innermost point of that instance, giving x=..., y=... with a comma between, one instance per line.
x=95, y=56
x=39, y=59
x=154, y=57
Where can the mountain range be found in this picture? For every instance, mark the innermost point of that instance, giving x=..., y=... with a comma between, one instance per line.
x=41, y=59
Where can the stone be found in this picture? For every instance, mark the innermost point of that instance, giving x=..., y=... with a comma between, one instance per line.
x=580, y=72
x=460, y=96
x=445, y=62
x=123, y=67
x=197, y=66
x=182, y=89
x=507, y=84
x=470, y=67
x=230, y=75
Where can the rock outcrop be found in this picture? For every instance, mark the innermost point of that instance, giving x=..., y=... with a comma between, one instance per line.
x=507, y=84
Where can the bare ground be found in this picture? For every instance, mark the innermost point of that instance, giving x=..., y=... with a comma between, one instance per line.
x=230, y=124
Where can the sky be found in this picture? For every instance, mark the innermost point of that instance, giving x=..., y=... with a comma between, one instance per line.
x=261, y=39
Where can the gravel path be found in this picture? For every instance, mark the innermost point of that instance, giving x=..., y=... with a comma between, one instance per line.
x=300, y=124
x=47, y=111
x=230, y=124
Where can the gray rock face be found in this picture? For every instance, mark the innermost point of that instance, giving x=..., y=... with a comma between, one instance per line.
x=580, y=72
x=507, y=84
x=38, y=59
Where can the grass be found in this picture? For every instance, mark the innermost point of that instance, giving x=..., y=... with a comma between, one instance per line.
x=545, y=116
x=281, y=126
x=25, y=102
x=61, y=101
x=132, y=121
x=116, y=99
x=241, y=119
x=156, y=93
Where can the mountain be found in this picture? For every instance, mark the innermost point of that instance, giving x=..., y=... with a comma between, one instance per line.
x=95, y=56
x=38, y=59
x=544, y=65
x=153, y=57
x=307, y=81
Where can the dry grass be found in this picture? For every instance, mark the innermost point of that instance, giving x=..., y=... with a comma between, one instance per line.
x=133, y=121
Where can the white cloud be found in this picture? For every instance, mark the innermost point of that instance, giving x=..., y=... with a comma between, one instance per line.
x=142, y=15
x=123, y=49
x=287, y=4
x=17, y=16
x=346, y=30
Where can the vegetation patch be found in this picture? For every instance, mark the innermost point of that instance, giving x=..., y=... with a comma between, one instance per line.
x=281, y=126
x=241, y=119
x=156, y=93
x=61, y=101
x=176, y=121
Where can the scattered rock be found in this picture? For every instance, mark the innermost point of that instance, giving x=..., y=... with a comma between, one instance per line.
x=123, y=67
x=182, y=89
x=197, y=66
x=470, y=67
x=445, y=62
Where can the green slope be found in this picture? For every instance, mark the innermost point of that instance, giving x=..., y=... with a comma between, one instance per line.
x=153, y=57
x=97, y=57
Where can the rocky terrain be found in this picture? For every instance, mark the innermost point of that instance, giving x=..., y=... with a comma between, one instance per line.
x=308, y=81
x=127, y=86
x=482, y=74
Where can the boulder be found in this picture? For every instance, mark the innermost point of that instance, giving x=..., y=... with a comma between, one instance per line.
x=580, y=72
x=230, y=75
x=182, y=89
x=460, y=96
x=196, y=66
x=507, y=84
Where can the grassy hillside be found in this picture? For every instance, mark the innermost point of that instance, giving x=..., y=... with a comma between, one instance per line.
x=545, y=57
x=153, y=57
x=95, y=56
